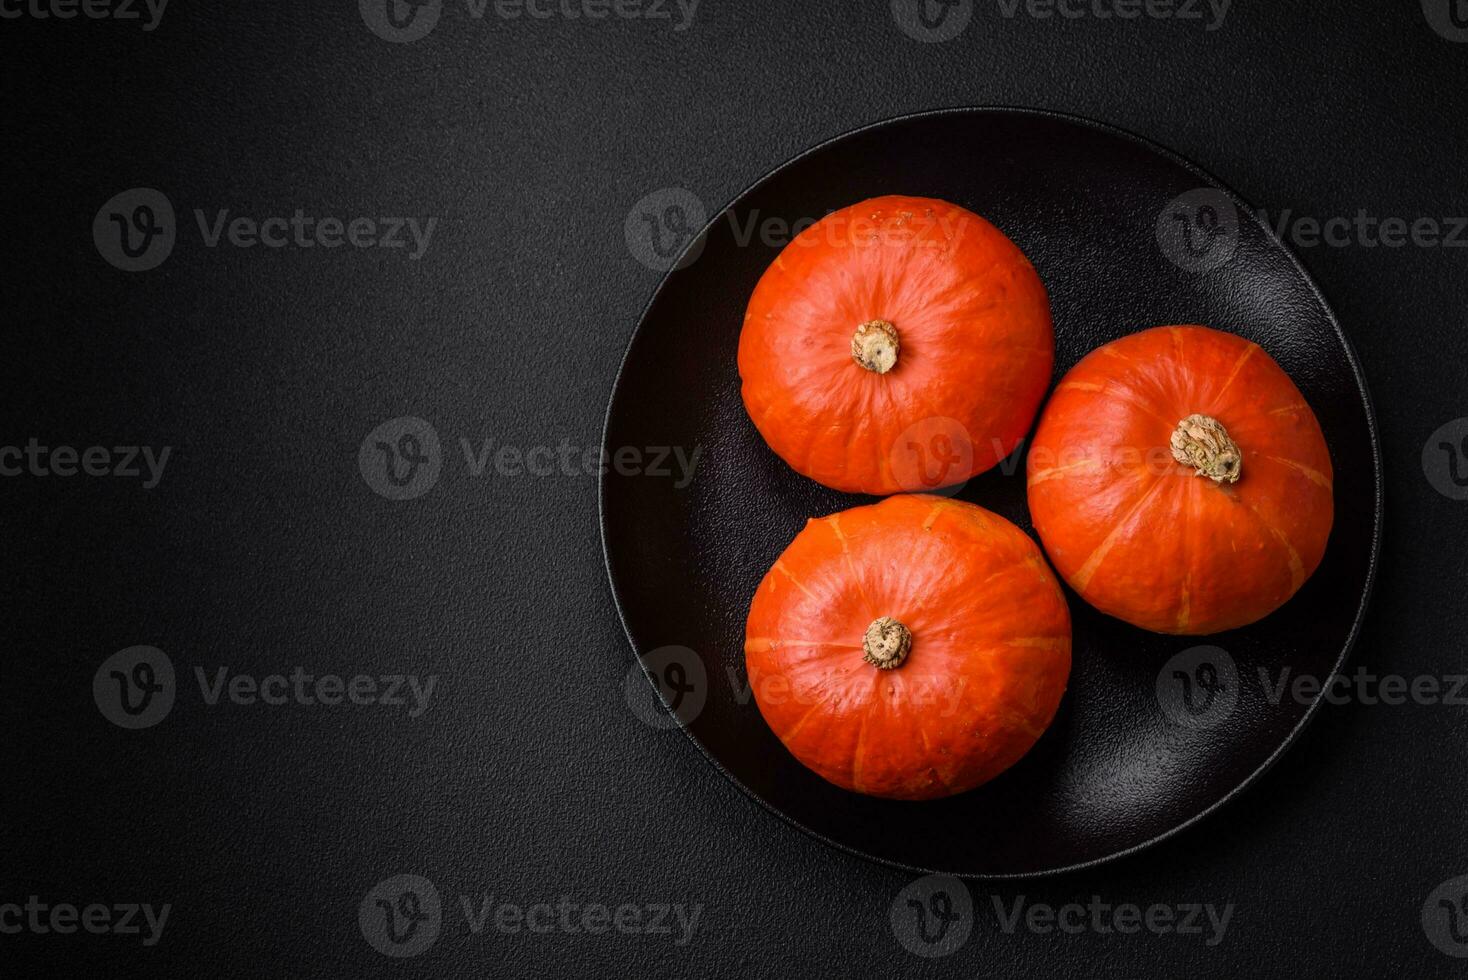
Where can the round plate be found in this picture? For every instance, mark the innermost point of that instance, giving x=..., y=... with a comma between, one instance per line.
x=1154, y=732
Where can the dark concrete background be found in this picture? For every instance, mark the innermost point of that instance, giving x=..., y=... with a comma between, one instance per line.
x=528, y=778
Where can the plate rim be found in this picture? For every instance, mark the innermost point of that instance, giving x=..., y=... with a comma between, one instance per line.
x=1206, y=178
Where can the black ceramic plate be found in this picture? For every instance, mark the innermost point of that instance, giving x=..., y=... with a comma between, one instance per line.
x=1153, y=732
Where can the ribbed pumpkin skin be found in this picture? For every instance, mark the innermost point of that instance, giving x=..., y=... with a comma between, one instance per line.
x=990, y=652
x=1141, y=537
x=977, y=346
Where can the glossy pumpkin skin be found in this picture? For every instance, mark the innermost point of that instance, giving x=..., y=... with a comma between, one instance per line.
x=989, y=656
x=976, y=347
x=1141, y=536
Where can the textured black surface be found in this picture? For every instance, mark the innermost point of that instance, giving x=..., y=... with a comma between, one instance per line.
x=528, y=777
x=1121, y=765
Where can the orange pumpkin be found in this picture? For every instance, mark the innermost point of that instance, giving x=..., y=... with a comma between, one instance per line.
x=911, y=649
x=1179, y=481
x=902, y=343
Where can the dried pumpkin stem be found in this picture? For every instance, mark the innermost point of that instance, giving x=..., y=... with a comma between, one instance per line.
x=874, y=346
x=886, y=643
x=1201, y=442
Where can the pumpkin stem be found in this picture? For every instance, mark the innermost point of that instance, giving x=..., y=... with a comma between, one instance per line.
x=874, y=346
x=1201, y=442
x=886, y=643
